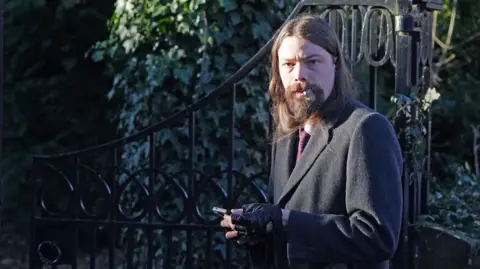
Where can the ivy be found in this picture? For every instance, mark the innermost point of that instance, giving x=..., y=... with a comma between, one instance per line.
x=47, y=80
x=166, y=55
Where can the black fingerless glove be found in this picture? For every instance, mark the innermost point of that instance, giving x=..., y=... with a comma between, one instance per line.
x=258, y=220
x=264, y=221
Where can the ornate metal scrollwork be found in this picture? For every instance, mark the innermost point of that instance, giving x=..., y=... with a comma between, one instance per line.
x=424, y=47
x=171, y=181
x=372, y=39
x=385, y=39
x=49, y=252
x=143, y=196
x=47, y=175
x=215, y=187
x=169, y=190
x=85, y=201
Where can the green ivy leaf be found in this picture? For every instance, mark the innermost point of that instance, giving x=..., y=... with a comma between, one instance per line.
x=240, y=58
x=262, y=30
x=184, y=74
x=235, y=18
x=466, y=179
x=228, y=5
x=97, y=55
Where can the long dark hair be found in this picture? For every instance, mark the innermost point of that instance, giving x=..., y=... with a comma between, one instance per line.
x=319, y=32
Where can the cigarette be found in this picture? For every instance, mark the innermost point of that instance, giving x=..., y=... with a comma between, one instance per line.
x=309, y=95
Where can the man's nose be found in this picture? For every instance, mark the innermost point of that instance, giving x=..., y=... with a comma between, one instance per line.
x=300, y=72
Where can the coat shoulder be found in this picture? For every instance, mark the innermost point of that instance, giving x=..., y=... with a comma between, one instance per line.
x=358, y=114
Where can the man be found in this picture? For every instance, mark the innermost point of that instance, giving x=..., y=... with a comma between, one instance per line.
x=338, y=201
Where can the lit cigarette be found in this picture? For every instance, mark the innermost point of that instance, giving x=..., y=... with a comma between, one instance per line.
x=308, y=93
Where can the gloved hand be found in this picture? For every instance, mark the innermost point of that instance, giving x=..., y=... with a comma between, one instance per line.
x=258, y=220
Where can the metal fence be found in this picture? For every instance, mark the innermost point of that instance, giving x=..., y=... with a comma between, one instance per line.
x=96, y=209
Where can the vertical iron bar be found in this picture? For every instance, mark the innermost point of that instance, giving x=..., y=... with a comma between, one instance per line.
x=231, y=155
x=33, y=240
x=408, y=156
x=415, y=178
x=2, y=59
x=231, y=143
x=76, y=211
x=374, y=41
x=191, y=189
x=113, y=209
x=416, y=59
x=151, y=200
x=414, y=190
x=209, y=249
x=189, y=261
x=353, y=41
x=168, y=260
x=93, y=246
x=426, y=185
x=429, y=40
x=130, y=245
x=402, y=85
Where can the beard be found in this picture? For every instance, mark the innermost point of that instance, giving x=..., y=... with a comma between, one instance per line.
x=299, y=104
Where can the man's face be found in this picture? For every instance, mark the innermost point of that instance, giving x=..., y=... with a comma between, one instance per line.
x=304, y=65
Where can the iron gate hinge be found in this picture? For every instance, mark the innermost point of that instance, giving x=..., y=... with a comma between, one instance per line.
x=408, y=23
x=403, y=23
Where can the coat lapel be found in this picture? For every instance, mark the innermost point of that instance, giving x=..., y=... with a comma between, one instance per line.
x=320, y=137
x=315, y=146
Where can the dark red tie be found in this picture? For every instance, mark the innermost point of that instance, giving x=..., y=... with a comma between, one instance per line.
x=304, y=136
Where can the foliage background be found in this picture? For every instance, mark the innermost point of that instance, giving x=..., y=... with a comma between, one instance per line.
x=81, y=73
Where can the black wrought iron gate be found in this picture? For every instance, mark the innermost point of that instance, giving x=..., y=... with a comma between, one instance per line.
x=80, y=216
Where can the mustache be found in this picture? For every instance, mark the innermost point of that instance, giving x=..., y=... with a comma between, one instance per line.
x=294, y=88
x=310, y=92
x=306, y=89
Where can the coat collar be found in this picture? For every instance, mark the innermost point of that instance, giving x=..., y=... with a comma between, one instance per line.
x=290, y=174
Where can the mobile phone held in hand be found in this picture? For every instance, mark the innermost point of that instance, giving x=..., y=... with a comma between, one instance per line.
x=221, y=211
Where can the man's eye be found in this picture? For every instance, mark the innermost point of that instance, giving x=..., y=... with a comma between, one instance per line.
x=314, y=61
x=288, y=64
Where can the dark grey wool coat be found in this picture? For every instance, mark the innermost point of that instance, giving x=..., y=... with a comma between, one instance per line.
x=345, y=194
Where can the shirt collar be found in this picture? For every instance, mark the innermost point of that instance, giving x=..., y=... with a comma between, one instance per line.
x=308, y=128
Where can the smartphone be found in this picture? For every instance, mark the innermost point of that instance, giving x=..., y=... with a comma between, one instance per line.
x=221, y=211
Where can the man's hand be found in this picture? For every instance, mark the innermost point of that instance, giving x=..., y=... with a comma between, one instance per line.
x=227, y=223
x=253, y=222
x=237, y=231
